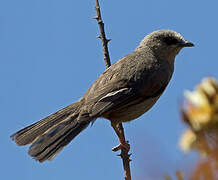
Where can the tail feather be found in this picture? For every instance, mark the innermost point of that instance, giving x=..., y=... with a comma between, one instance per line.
x=49, y=135
x=47, y=147
x=31, y=133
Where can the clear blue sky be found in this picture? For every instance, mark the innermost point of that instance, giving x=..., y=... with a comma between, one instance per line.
x=49, y=56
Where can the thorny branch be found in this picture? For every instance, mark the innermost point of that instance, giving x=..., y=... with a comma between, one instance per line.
x=103, y=38
x=124, y=146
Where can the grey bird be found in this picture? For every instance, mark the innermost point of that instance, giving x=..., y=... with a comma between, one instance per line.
x=122, y=93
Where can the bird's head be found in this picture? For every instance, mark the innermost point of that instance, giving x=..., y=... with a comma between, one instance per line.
x=165, y=44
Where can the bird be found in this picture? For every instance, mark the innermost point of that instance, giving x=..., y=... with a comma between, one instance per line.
x=125, y=91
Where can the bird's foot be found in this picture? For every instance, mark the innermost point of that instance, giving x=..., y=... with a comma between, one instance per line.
x=122, y=145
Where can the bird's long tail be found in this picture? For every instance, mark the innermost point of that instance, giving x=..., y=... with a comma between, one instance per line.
x=49, y=135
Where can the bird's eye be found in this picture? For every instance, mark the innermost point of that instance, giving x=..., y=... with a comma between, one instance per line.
x=170, y=40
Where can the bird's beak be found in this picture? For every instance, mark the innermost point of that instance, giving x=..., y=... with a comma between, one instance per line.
x=187, y=44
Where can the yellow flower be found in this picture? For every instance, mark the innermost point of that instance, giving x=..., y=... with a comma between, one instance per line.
x=201, y=114
x=188, y=140
x=202, y=105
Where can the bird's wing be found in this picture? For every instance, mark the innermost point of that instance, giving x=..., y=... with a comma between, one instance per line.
x=123, y=98
x=113, y=99
x=111, y=80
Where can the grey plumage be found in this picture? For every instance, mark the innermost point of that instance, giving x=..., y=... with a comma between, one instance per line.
x=125, y=91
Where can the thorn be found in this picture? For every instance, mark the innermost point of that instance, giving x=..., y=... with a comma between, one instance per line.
x=96, y=17
x=108, y=40
x=99, y=37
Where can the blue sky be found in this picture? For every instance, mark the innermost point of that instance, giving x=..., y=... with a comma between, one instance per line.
x=49, y=56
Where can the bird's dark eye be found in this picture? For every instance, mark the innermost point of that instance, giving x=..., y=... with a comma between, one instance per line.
x=170, y=40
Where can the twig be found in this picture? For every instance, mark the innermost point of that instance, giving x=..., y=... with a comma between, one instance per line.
x=103, y=38
x=124, y=146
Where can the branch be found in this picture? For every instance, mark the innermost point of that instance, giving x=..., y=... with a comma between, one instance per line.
x=103, y=38
x=118, y=128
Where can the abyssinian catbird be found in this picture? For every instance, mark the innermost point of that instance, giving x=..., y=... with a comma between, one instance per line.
x=125, y=91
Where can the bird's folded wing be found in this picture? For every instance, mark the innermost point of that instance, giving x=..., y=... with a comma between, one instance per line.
x=118, y=98
x=123, y=98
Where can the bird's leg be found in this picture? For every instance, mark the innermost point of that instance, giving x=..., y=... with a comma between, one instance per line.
x=118, y=128
x=124, y=147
